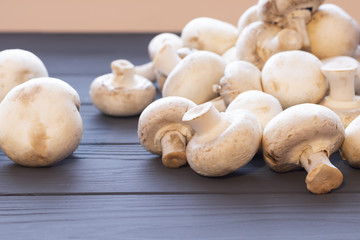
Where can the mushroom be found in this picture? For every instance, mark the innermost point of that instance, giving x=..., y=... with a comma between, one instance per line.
x=40, y=122
x=209, y=34
x=350, y=149
x=223, y=142
x=340, y=73
x=230, y=55
x=239, y=76
x=122, y=92
x=18, y=66
x=263, y=105
x=305, y=135
x=332, y=32
x=158, y=42
x=249, y=16
x=194, y=77
x=259, y=41
x=161, y=131
x=146, y=70
x=294, y=77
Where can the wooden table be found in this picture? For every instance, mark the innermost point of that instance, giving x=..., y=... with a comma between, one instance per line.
x=111, y=188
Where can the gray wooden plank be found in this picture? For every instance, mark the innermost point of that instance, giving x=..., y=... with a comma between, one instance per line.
x=114, y=169
x=209, y=216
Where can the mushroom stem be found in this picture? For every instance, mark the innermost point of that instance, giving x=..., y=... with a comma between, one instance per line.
x=146, y=70
x=173, y=149
x=342, y=83
x=322, y=176
x=204, y=118
x=297, y=21
x=123, y=73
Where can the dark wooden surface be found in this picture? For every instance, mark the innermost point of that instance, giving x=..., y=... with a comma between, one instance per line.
x=111, y=188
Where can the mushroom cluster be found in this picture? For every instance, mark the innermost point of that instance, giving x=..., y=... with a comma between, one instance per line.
x=39, y=116
x=273, y=84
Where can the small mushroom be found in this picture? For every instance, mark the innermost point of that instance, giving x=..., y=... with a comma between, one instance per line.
x=16, y=67
x=209, y=34
x=305, y=136
x=223, y=142
x=40, y=122
x=249, y=16
x=158, y=42
x=294, y=77
x=340, y=73
x=350, y=149
x=193, y=78
x=263, y=105
x=239, y=76
x=122, y=92
x=161, y=131
x=333, y=32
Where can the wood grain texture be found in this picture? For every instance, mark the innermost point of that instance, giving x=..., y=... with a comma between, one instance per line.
x=209, y=216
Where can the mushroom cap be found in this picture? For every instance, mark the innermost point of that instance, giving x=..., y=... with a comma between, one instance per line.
x=18, y=66
x=126, y=97
x=239, y=76
x=160, y=40
x=194, y=76
x=161, y=116
x=263, y=105
x=209, y=34
x=41, y=123
x=249, y=16
x=294, y=77
x=350, y=149
x=297, y=129
x=218, y=154
x=333, y=32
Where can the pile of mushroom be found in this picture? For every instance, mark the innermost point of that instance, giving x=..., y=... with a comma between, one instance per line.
x=224, y=88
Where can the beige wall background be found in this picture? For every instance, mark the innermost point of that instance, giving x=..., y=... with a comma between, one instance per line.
x=124, y=16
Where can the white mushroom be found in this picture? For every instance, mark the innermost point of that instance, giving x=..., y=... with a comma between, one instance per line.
x=305, y=136
x=146, y=70
x=40, y=122
x=122, y=92
x=350, y=149
x=158, y=42
x=239, y=76
x=249, y=16
x=294, y=77
x=230, y=55
x=259, y=41
x=16, y=67
x=161, y=131
x=194, y=77
x=223, y=142
x=263, y=105
x=332, y=32
x=340, y=73
x=209, y=34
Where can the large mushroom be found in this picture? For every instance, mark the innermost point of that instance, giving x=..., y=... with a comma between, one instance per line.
x=16, y=67
x=161, y=131
x=122, y=92
x=294, y=77
x=40, y=122
x=223, y=142
x=305, y=136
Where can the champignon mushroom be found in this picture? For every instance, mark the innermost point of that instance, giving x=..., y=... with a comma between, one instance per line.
x=350, y=149
x=158, y=42
x=194, y=77
x=161, y=131
x=40, y=122
x=294, y=77
x=333, y=32
x=249, y=16
x=122, y=92
x=239, y=76
x=340, y=73
x=209, y=34
x=16, y=67
x=263, y=105
x=305, y=135
x=223, y=142
x=259, y=41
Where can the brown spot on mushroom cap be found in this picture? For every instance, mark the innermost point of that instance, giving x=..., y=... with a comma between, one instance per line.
x=297, y=128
